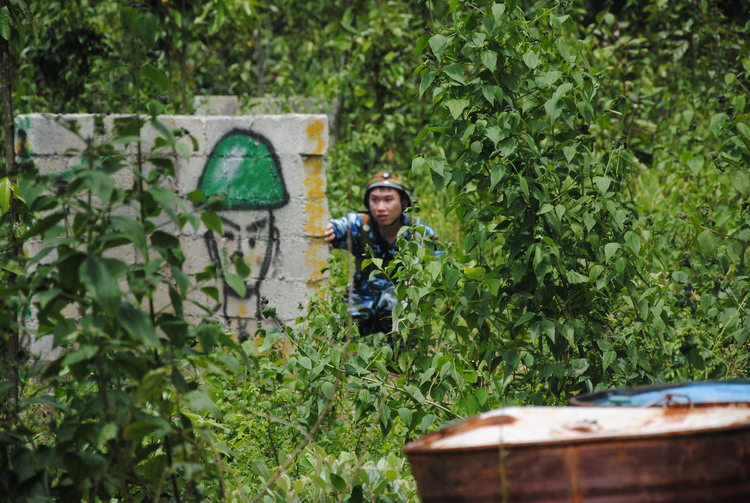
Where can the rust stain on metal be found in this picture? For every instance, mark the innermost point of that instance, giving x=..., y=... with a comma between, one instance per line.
x=588, y=455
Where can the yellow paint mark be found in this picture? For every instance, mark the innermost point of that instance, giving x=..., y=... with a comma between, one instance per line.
x=21, y=145
x=314, y=209
x=315, y=260
x=316, y=218
x=242, y=311
x=315, y=132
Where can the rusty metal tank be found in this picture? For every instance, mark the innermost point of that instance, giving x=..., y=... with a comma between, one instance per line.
x=690, y=394
x=588, y=455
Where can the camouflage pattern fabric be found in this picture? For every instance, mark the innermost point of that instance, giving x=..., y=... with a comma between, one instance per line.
x=372, y=299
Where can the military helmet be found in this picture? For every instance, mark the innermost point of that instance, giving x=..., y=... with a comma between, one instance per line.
x=391, y=180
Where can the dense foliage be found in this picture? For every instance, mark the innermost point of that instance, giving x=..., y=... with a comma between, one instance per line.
x=584, y=162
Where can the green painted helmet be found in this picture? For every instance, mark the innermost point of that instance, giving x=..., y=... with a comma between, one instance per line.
x=244, y=168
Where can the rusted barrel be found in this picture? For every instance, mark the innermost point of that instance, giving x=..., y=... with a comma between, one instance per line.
x=692, y=394
x=588, y=455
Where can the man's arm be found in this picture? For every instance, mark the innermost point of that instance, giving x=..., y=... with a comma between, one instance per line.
x=338, y=228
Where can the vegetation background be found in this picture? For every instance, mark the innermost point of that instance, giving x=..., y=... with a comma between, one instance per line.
x=585, y=163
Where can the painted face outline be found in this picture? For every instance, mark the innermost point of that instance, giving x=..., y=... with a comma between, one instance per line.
x=244, y=168
x=256, y=240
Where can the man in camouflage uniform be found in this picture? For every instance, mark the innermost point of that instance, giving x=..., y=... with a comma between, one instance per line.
x=372, y=299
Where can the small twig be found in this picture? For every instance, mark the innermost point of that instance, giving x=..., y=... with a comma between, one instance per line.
x=394, y=387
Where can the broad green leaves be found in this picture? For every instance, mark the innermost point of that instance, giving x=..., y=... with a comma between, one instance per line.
x=547, y=239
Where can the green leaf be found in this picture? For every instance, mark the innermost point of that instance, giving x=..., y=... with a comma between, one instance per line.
x=306, y=363
x=489, y=94
x=497, y=173
x=553, y=111
x=718, y=122
x=610, y=249
x=155, y=108
x=212, y=221
x=456, y=107
x=100, y=275
x=576, y=278
x=602, y=183
x=386, y=421
x=546, y=208
x=524, y=186
x=633, y=241
x=163, y=131
x=525, y=317
x=147, y=28
x=707, y=243
x=200, y=401
x=167, y=200
x=607, y=359
x=438, y=43
x=426, y=81
x=495, y=134
x=159, y=78
x=106, y=433
x=475, y=272
x=212, y=292
x=531, y=59
x=569, y=152
x=83, y=353
x=46, y=400
x=417, y=395
x=100, y=184
x=497, y=12
x=338, y=482
x=236, y=283
x=5, y=23
x=549, y=78
x=140, y=429
x=405, y=415
x=744, y=130
x=741, y=182
x=451, y=278
x=327, y=388
x=133, y=230
x=456, y=72
x=506, y=148
x=578, y=366
x=427, y=421
x=138, y=325
x=564, y=49
x=489, y=59
x=5, y=193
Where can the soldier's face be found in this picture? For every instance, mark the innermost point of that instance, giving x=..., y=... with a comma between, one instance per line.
x=385, y=205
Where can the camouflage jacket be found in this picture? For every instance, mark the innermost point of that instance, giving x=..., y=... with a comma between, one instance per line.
x=364, y=235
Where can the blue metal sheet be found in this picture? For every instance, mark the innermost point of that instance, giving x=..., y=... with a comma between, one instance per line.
x=691, y=393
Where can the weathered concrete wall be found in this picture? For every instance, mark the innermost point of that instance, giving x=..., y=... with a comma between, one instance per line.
x=270, y=169
x=236, y=105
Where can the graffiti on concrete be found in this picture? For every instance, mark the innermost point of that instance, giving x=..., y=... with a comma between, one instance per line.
x=23, y=149
x=244, y=168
